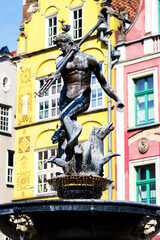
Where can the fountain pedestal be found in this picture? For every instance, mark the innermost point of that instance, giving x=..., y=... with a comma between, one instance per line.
x=79, y=186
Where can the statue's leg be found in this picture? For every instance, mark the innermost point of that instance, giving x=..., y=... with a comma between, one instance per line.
x=63, y=102
x=73, y=128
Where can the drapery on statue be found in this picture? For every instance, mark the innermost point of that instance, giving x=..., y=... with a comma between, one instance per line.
x=76, y=67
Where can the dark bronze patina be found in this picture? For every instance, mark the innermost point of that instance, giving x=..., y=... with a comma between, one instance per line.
x=75, y=67
x=75, y=94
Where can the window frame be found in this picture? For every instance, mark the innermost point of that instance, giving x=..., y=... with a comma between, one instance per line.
x=132, y=176
x=71, y=22
x=158, y=16
x=145, y=93
x=10, y=168
x=146, y=183
x=48, y=98
x=47, y=29
x=131, y=94
x=48, y=171
x=8, y=117
x=96, y=86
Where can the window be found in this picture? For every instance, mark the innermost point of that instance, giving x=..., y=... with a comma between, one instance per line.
x=77, y=23
x=132, y=89
x=48, y=103
x=10, y=168
x=5, y=83
x=146, y=183
x=51, y=29
x=134, y=167
x=45, y=171
x=144, y=100
x=158, y=15
x=5, y=119
x=96, y=92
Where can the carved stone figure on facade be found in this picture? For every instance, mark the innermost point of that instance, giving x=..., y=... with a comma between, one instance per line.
x=122, y=28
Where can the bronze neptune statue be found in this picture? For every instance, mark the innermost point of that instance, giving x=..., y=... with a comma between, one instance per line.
x=74, y=158
x=75, y=94
x=85, y=159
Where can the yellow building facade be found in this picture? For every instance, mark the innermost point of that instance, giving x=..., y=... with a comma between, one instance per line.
x=37, y=117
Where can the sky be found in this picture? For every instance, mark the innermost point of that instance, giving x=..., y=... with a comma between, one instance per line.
x=11, y=12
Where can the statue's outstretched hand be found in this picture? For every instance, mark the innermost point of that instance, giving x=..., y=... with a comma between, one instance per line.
x=120, y=106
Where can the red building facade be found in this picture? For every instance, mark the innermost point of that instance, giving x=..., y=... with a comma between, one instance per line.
x=138, y=128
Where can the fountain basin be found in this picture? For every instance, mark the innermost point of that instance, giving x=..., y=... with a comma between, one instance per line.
x=82, y=219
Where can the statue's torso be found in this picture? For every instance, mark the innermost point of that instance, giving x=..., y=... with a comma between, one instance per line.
x=77, y=75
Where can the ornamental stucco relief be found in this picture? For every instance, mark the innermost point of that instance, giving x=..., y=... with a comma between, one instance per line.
x=150, y=134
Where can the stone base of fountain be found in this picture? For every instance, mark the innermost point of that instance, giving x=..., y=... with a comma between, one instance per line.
x=79, y=219
x=79, y=186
